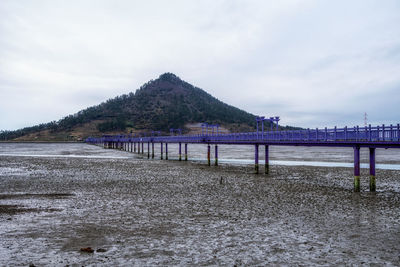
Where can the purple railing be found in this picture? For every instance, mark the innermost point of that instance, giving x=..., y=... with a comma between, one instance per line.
x=381, y=133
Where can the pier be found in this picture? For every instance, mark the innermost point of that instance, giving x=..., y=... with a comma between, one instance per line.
x=368, y=137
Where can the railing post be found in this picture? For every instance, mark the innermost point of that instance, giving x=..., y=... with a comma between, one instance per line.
x=398, y=132
x=357, y=134
x=148, y=150
x=134, y=147
x=166, y=151
x=335, y=133
x=391, y=132
x=370, y=133
x=366, y=133
x=356, y=169
x=142, y=147
x=372, y=179
x=377, y=133
x=152, y=150
x=186, y=153
x=383, y=132
x=161, y=150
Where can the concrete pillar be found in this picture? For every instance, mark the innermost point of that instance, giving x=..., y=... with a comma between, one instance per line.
x=372, y=182
x=134, y=147
x=138, y=147
x=256, y=159
x=166, y=151
x=161, y=150
x=186, y=154
x=148, y=150
x=216, y=155
x=180, y=151
x=356, y=169
x=209, y=155
x=266, y=159
x=142, y=147
x=152, y=150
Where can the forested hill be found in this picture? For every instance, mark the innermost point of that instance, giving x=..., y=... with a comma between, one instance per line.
x=161, y=104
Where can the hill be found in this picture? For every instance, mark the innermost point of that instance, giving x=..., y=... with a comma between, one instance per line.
x=161, y=104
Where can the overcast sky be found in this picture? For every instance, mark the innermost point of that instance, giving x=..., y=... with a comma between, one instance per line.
x=314, y=63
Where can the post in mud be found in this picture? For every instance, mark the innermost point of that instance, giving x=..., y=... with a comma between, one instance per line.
x=356, y=169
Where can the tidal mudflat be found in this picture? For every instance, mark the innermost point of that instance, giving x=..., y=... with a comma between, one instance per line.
x=56, y=199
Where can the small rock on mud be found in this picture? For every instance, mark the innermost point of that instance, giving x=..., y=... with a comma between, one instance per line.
x=88, y=250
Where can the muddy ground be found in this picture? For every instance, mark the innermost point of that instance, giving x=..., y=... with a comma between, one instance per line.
x=131, y=210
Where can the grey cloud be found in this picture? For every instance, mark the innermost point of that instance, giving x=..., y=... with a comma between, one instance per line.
x=307, y=61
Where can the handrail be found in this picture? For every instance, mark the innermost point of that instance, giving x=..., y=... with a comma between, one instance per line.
x=368, y=134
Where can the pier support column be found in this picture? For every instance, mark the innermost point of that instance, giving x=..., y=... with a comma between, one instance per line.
x=148, y=150
x=131, y=146
x=161, y=151
x=186, y=154
x=372, y=182
x=266, y=159
x=134, y=147
x=216, y=155
x=180, y=151
x=166, y=151
x=142, y=147
x=209, y=155
x=256, y=159
x=138, y=148
x=356, y=169
x=152, y=150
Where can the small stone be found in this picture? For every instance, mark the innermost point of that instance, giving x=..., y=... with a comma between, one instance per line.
x=101, y=250
x=88, y=250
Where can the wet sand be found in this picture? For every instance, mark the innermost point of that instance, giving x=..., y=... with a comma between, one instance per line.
x=151, y=212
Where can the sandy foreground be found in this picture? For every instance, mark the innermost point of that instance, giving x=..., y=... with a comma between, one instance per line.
x=135, y=211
